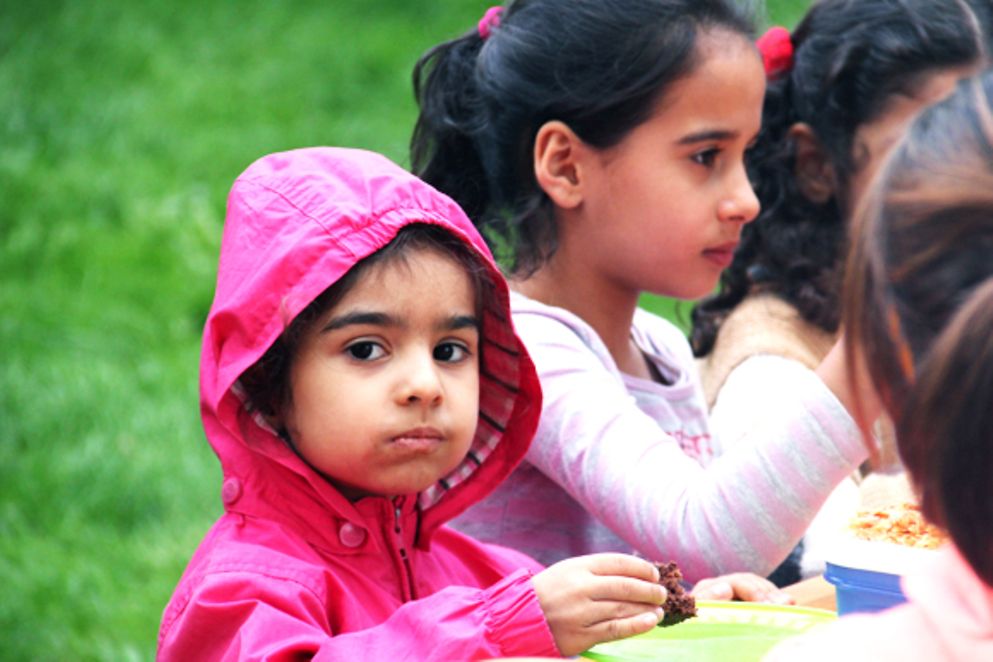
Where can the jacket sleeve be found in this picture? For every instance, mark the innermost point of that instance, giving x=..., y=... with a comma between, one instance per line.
x=233, y=616
x=744, y=510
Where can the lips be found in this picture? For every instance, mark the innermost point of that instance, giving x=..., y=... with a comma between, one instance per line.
x=722, y=255
x=418, y=439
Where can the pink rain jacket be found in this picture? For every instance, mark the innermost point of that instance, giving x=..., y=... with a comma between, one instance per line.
x=293, y=570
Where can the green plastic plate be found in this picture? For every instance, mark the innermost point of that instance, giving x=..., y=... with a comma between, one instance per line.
x=738, y=631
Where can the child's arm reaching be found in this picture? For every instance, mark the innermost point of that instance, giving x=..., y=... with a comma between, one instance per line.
x=745, y=509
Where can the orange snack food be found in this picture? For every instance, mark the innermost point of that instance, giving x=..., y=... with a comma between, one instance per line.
x=902, y=524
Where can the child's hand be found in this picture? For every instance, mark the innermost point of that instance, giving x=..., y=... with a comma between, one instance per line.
x=741, y=586
x=600, y=597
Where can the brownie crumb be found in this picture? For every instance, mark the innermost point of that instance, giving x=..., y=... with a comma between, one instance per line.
x=679, y=605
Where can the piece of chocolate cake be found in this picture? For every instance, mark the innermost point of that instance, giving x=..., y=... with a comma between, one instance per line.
x=679, y=605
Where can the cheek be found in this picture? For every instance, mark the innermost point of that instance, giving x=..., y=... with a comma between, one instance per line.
x=320, y=406
x=466, y=399
x=471, y=395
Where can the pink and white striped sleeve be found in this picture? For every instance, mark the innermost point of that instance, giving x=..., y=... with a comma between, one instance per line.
x=745, y=510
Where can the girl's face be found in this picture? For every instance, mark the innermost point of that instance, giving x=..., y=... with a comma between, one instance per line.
x=385, y=385
x=666, y=206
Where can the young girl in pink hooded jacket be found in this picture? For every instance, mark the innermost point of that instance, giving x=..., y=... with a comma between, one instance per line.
x=362, y=385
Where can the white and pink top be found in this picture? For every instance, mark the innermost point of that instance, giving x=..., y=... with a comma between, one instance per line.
x=626, y=464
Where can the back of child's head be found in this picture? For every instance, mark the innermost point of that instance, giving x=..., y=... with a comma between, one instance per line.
x=599, y=67
x=984, y=13
x=851, y=58
x=919, y=308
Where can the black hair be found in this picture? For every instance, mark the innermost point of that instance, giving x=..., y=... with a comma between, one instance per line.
x=918, y=305
x=984, y=14
x=267, y=382
x=599, y=67
x=850, y=58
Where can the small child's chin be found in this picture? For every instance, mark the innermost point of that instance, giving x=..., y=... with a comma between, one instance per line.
x=389, y=489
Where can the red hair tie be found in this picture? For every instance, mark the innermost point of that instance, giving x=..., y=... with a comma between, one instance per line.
x=490, y=20
x=776, y=47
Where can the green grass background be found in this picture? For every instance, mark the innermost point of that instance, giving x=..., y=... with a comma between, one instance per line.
x=122, y=125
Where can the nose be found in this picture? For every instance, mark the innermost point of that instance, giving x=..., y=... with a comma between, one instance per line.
x=419, y=381
x=741, y=203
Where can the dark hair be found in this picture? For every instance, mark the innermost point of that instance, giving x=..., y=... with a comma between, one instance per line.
x=267, y=382
x=918, y=301
x=984, y=14
x=850, y=58
x=599, y=67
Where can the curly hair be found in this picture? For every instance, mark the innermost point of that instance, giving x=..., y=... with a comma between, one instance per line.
x=850, y=58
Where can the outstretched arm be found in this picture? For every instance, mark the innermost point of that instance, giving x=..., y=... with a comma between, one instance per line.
x=745, y=509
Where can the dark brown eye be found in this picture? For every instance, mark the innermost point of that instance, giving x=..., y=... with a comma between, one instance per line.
x=450, y=352
x=707, y=157
x=365, y=350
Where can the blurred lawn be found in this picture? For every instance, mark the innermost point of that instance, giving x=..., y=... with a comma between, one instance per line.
x=122, y=126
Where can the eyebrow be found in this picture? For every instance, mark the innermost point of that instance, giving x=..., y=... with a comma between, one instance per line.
x=359, y=317
x=704, y=136
x=453, y=323
x=457, y=322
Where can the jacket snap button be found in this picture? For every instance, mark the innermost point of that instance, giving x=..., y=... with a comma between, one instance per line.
x=351, y=535
x=230, y=491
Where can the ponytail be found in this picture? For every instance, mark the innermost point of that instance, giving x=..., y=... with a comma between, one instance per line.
x=442, y=149
x=946, y=430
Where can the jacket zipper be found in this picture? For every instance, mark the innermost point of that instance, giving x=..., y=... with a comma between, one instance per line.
x=411, y=590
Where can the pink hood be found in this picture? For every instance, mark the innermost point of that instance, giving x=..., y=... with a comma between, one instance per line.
x=292, y=569
x=296, y=222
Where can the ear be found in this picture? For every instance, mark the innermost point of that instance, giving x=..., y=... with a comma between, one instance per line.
x=557, y=163
x=812, y=168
